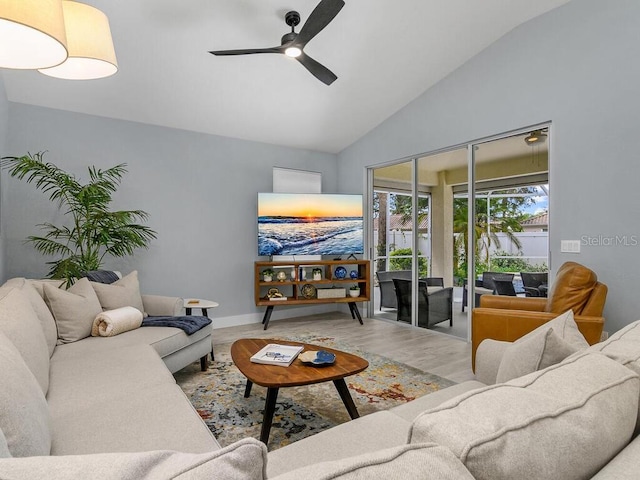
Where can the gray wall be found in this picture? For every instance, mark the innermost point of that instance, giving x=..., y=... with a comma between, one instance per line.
x=4, y=125
x=200, y=191
x=578, y=67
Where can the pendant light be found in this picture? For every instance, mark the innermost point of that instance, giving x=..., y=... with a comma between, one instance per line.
x=535, y=137
x=91, y=52
x=32, y=34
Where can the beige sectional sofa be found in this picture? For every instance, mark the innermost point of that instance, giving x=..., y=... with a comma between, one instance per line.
x=109, y=408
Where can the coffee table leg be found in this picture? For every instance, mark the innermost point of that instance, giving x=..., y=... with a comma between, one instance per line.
x=269, y=410
x=343, y=390
x=247, y=389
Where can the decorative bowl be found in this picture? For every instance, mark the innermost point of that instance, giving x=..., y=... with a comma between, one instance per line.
x=317, y=357
x=340, y=273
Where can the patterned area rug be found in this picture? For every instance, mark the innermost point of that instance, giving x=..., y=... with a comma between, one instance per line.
x=218, y=396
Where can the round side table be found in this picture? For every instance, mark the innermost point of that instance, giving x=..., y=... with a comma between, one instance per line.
x=203, y=305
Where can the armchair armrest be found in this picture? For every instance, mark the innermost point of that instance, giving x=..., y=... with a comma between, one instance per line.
x=509, y=325
x=513, y=303
x=162, y=305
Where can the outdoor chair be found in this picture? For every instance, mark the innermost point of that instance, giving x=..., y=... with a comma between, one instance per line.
x=504, y=287
x=533, y=281
x=387, y=290
x=485, y=286
x=435, y=303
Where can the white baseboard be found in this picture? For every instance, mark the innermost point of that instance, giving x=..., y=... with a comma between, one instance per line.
x=277, y=314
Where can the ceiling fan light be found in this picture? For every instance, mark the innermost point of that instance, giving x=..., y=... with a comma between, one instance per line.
x=32, y=34
x=293, y=52
x=91, y=52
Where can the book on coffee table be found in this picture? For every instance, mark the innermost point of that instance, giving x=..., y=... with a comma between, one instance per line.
x=274, y=354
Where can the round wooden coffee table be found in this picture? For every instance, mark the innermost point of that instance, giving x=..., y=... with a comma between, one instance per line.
x=275, y=377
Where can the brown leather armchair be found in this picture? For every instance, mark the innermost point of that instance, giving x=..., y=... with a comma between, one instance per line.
x=508, y=318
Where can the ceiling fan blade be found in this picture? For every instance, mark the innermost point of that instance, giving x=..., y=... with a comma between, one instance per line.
x=321, y=16
x=321, y=72
x=248, y=51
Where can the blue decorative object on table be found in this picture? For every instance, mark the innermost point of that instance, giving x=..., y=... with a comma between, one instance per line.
x=340, y=273
x=320, y=357
x=353, y=274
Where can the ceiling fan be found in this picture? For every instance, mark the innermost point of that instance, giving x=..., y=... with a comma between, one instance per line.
x=292, y=44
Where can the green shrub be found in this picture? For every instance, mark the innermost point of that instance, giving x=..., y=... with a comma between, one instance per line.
x=405, y=263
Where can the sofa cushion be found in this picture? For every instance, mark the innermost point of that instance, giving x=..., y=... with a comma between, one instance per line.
x=47, y=321
x=4, y=448
x=244, y=459
x=368, y=433
x=536, y=352
x=624, y=466
x=571, y=288
x=566, y=421
x=155, y=417
x=624, y=347
x=106, y=373
x=24, y=414
x=20, y=324
x=422, y=460
x=74, y=309
x=123, y=293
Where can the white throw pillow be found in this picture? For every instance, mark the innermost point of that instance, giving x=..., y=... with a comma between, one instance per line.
x=24, y=413
x=422, y=460
x=566, y=421
x=244, y=460
x=533, y=353
x=74, y=310
x=123, y=293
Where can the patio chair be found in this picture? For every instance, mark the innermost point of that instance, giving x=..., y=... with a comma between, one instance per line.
x=532, y=282
x=435, y=303
x=387, y=290
x=504, y=287
x=485, y=286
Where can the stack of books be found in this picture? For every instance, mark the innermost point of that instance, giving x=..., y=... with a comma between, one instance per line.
x=274, y=354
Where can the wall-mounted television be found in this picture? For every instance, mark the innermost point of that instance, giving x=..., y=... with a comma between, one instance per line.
x=310, y=224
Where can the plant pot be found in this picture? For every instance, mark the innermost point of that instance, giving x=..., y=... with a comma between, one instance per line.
x=267, y=278
x=354, y=293
x=317, y=277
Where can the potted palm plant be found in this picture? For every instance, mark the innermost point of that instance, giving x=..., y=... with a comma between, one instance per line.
x=94, y=230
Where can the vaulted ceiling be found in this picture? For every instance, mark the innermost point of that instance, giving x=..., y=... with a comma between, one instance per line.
x=385, y=54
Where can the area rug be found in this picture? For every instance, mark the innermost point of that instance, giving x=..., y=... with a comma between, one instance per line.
x=218, y=396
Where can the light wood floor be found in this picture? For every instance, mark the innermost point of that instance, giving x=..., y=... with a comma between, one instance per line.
x=436, y=353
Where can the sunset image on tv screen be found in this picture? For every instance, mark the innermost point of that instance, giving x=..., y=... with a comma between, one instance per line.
x=309, y=224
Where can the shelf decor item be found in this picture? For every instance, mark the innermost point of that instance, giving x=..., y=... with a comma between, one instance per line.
x=353, y=274
x=281, y=276
x=308, y=291
x=340, y=273
x=267, y=275
x=354, y=291
x=317, y=274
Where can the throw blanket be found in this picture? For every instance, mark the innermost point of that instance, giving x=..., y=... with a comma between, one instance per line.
x=113, y=322
x=189, y=324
